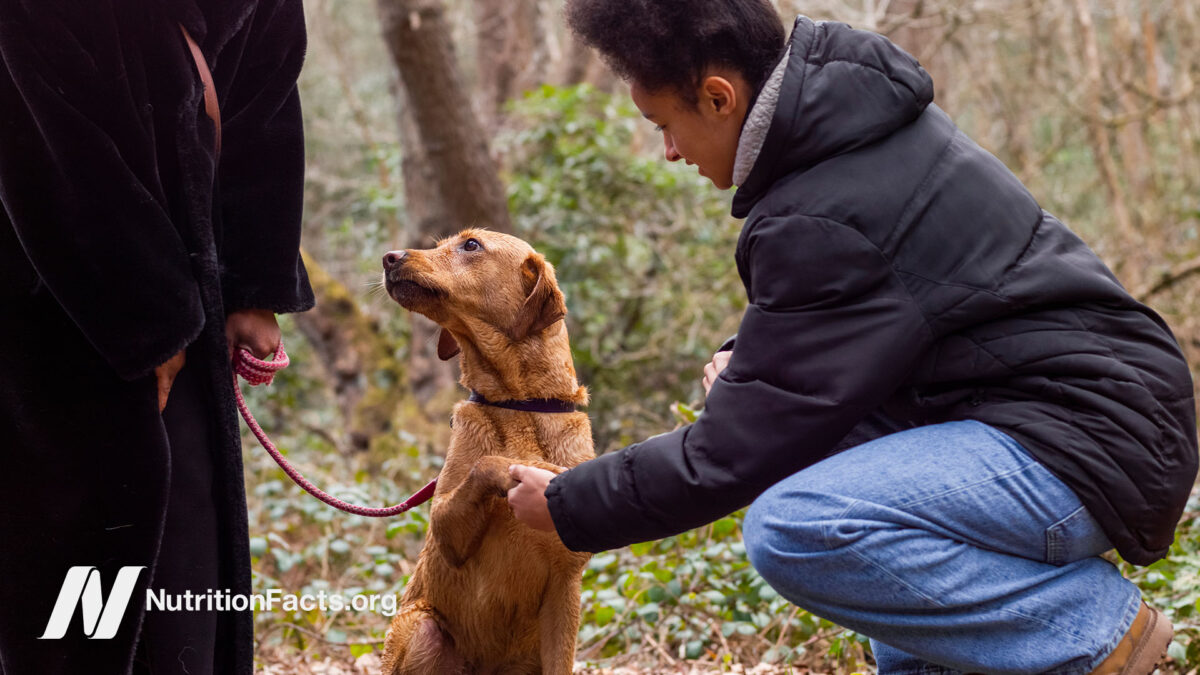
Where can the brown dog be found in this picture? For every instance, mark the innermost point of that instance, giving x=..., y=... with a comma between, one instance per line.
x=489, y=594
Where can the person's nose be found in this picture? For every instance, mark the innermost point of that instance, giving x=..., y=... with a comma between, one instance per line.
x=393, y=259
x=671, y=153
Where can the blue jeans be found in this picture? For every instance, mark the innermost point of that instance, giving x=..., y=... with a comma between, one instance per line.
x=949, y=546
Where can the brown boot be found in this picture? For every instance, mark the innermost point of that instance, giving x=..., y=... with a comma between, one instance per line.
x=1140, y=650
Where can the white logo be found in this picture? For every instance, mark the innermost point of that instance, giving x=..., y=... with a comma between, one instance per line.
x=82, y=587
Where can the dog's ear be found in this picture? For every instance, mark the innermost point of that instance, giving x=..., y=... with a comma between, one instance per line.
x=543, y=304
x=447, y=345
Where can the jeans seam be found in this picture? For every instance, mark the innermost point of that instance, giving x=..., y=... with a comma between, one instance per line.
x=1045, y=623
x=990, y=479
x=1054, y=552
x=895, y=578
x=1055, y=542
x=825, y=540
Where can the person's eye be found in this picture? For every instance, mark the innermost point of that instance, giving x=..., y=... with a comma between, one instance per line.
x=658, y=128
x=472, y=245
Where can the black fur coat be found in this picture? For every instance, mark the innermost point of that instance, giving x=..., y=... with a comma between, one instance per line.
x=121, y=242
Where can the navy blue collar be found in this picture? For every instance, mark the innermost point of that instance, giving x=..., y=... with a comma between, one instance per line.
x=538, y=405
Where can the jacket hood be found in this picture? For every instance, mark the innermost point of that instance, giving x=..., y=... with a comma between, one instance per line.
x=841, y=89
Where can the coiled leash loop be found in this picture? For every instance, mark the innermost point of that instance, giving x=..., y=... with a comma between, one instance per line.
x=256, y=372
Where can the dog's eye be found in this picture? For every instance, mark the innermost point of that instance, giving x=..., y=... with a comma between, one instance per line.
x=472, y=245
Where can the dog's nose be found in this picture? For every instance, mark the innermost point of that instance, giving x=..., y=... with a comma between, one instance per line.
x=393, y=258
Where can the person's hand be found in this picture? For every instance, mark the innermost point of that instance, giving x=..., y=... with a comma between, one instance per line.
x=256, y=330
x=714, y=368
x=528, y=498
x=165, y=374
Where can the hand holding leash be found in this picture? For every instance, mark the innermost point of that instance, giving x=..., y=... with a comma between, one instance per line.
x=255, y=330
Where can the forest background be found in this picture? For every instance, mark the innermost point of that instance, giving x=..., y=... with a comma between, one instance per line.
x=425, y=116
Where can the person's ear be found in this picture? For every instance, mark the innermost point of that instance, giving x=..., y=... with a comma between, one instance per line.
x=543, y=304
x=718, y=95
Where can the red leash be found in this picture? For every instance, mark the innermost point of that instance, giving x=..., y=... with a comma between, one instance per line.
x=256, y=372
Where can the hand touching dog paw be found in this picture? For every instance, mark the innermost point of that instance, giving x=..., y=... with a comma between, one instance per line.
x=491, y=475
x=528, y=498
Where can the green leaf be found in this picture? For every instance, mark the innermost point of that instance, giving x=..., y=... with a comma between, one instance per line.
x=648, y=612
x=602, y=562
x=258, y=546
x=603, y=614
x=776, y=654
x=724, y=526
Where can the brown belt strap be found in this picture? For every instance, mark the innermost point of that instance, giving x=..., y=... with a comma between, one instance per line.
x=210, y=89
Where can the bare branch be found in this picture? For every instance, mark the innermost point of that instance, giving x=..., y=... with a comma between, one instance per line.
x=1168, y=279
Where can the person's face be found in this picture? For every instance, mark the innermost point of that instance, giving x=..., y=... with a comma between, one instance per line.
x=705, y=134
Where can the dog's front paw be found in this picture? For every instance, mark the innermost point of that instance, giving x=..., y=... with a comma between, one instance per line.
x=490, y=474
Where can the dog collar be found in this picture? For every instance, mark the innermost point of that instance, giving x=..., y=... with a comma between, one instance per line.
x=538, y=405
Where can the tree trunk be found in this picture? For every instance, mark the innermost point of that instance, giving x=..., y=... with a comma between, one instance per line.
x=1135, y=157
x=510, y=53
x=450, y=179
x=449, y=147
x=1098, y=135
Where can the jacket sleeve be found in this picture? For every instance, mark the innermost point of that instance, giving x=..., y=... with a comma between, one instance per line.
x=261, y=175
x=75, y=188
x=829, y=334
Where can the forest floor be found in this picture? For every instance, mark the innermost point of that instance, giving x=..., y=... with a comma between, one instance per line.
x=293, y=663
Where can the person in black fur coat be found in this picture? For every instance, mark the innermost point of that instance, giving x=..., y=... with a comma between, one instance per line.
x=132, y=256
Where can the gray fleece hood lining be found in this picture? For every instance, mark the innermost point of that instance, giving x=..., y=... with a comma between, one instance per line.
x=758, y=122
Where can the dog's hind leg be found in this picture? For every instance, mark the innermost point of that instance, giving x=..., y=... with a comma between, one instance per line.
x=558, y=624
x=417, y=645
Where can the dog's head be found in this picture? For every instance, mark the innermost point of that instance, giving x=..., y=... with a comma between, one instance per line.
x=479, y=284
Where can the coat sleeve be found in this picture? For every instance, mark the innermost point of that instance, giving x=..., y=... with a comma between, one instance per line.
x=261, y=176
x=829, y=334
x=74, y=147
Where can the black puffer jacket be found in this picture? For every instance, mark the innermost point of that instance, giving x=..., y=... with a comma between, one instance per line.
x=892, y=264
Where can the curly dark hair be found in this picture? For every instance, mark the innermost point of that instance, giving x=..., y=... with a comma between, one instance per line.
x=663, y=44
